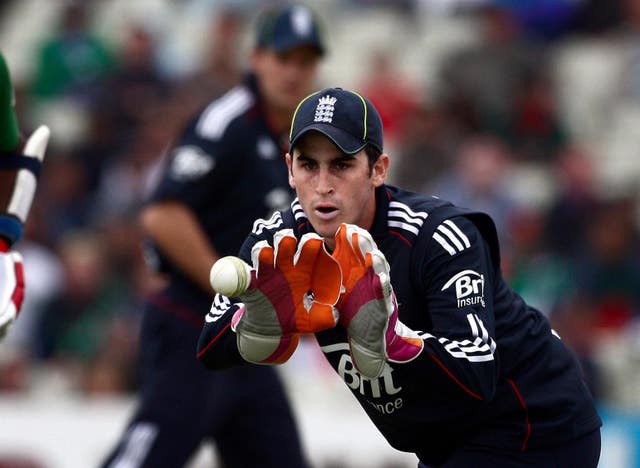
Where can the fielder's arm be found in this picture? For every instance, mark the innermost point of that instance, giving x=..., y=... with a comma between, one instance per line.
x=177, y=233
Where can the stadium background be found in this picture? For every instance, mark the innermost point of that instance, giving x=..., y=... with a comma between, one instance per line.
x=528, y=109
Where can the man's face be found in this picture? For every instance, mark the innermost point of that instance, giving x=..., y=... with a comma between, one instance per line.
x=286, y=78
x=333, y=187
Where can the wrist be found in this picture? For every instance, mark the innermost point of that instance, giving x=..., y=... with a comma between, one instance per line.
x=11, y=229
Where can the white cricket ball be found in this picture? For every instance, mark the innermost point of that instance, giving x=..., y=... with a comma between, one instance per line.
x=230, y=276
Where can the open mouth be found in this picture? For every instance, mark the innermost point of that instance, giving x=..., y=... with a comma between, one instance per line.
x=326, y=209
x=326, y=212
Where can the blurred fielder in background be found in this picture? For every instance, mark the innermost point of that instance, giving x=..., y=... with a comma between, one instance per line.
x=410, y=308
x=19, y=171
x=226, y=170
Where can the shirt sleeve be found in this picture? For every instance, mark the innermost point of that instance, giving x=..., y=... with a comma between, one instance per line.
x=217, y=347
x=458, y=278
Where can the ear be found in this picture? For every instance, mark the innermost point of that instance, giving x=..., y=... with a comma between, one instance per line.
x=380, y=170
x=288, y=160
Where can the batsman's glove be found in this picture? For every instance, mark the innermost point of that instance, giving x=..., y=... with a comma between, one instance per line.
x=368, y=306
x=294, y=288
x=11, y=289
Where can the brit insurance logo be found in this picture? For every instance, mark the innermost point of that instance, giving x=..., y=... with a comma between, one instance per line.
x=469, y=288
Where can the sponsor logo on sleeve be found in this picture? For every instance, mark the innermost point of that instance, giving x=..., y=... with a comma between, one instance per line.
x=468, y=286
x=190, y=162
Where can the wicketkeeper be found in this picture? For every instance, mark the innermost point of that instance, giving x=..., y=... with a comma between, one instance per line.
x=407, y=300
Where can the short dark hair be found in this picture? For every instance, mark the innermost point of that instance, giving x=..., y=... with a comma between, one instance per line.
x=373, y=154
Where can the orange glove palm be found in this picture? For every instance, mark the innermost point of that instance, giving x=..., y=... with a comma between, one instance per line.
x=304, y=277
x=294, y=288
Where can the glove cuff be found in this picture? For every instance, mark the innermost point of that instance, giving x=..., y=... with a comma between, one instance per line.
x=263, y=349
x=402, y=343
x=368, y=362
x=398, y=344
x=259, y=348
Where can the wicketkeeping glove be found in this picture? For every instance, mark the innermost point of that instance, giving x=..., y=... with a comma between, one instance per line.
x=368, y=306
x=11, y=289
x=294, y=288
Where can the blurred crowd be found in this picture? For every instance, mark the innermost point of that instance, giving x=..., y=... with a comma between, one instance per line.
x=533, y=120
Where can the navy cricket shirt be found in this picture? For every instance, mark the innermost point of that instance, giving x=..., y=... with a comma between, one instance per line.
x=492, y=374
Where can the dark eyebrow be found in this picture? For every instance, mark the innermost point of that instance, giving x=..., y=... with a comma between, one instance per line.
x=302, y=157
x=342, y=157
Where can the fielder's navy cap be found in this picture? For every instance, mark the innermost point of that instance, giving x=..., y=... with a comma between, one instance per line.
x=284, y=28
x=346, y=117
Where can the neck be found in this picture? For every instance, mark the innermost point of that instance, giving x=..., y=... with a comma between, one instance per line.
x=278, y=120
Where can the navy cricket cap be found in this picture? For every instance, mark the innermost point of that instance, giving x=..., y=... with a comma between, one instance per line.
x=345, y=117
x=284, y=28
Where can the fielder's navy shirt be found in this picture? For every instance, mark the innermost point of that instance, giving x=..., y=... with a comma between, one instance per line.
x=228, y=168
